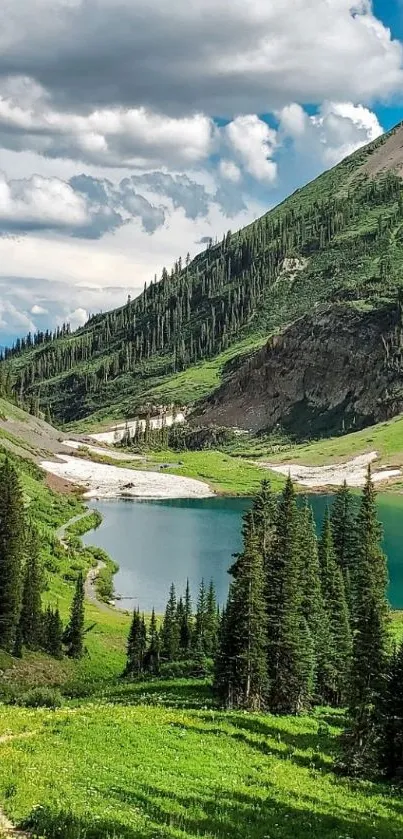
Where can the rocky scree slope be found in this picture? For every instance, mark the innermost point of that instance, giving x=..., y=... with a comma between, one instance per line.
x=333, y=371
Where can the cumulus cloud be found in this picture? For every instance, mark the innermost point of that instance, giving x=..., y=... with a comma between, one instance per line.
x=253, y=143
x=230, y=171
x=37, y=202
x=208, y=55
x=39, y=310
x=115, y=136
x=337, y=130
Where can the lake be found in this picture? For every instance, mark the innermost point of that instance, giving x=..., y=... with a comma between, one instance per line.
x=159, y=542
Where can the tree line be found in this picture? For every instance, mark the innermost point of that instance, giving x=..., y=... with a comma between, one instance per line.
x=198, y=308
x=24, y=623
x=306, y=623
x=187, y=637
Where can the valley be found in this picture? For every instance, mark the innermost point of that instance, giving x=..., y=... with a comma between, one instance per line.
x=275, y=354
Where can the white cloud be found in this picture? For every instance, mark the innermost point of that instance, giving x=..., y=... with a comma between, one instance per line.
x=38, y=201
x=76, y=318
x=337, y=130
x=38, y=310
x=230, y=171
x=208, y=56
x=116, y=136
x=253, y=142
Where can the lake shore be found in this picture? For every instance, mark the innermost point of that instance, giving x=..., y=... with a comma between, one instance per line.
x=106, y=481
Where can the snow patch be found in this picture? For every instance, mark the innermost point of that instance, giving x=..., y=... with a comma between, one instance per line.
x=104, y=481
x=354, y=472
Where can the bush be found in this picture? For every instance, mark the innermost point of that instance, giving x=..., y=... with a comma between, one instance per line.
x=192, y=669
x=40, y=698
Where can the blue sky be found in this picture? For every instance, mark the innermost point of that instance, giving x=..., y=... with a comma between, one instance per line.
x=130, y=130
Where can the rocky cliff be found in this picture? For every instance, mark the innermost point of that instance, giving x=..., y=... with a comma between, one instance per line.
x=334, y=370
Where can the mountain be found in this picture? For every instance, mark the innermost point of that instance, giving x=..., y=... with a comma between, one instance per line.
x=338, y=242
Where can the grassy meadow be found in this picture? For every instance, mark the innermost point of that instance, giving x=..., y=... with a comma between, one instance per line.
x=131, y=767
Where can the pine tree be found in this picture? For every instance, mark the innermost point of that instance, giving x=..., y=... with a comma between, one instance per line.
x=170, y=630
x=31, y=610
x=343, y=531
x=186, y=626
x=312, y=602
x=200, y=629
x=12, y=534
x=74, y=634
x=264, y=516
x=371, y=636
x=53, y=632
x=290, y=679
x=390, y=720
x=136, y=646
x=152, y=656
x=241, y=668
x=338, y=657
x=211, y=633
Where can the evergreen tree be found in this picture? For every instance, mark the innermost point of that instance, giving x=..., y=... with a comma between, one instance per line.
x=53, y=633
x=200, y=629
x=152, y=656
x=291, y=680
x=336, y=669
x=343, y=531
x=211, y=633
x=12, y=534
x=312, y=602
x=136, y=646
x=170, y=630
x=186, y=626
x=371, y=636
x=390, y=720
x=31, y=610
x=241, y=669
x=264, y=517
x=74, y=634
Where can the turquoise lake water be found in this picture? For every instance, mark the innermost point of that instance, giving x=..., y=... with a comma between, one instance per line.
x=159, y=542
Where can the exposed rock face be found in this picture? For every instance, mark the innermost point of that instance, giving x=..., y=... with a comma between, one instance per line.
x=335, y=370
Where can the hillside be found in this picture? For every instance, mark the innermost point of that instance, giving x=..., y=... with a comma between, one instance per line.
x=332, y=371
x=336, y=241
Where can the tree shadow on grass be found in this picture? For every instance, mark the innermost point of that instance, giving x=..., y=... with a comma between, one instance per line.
x=220, y=813
x=170, y=694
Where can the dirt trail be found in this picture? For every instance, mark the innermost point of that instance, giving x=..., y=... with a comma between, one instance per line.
x=61, y=531
x=89, y=585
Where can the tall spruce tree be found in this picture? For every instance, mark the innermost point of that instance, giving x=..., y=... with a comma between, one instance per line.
x=31, y=622
x=211, y=633
x=136, y=646
x=241, y=670
x=264, y=516
x=371, y=636
x=200, y=628
x=53, y=632
x=290, y=669
x=334, y=674
x=152, y=656
x=312, y=602
x=170, y=629
x=390, y=720
x=186, y=626
x=342, y=519
x=12, y=537
x=74, y=633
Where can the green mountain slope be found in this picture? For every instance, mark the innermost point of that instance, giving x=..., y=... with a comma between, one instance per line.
x=338, y=240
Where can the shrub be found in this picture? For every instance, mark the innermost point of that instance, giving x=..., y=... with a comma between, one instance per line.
x=41, y=697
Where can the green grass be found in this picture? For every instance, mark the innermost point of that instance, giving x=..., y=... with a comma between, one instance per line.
x=386, y=438
x=129, y=771
x=226, y=475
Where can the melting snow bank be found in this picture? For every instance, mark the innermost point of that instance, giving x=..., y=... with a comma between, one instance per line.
x=101, y=481
x=354, y=472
